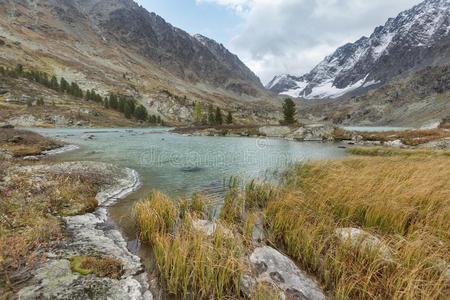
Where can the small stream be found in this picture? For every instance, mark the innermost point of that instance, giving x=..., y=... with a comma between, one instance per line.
x=179, y=165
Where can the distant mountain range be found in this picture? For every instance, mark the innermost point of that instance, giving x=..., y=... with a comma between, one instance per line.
x=416, y=38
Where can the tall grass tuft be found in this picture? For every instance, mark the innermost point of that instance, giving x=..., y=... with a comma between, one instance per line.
x=156, y=215
x=191, y=264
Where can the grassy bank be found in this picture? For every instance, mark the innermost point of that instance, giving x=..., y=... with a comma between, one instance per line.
x=389, y=151
x=24, y=143
x=405, y=202
x=400, y=202
x=30, y=223
x=31, y=205
x=408, y=137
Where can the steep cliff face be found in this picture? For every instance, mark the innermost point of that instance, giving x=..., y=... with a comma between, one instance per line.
x=118, y=45
x=416, y=38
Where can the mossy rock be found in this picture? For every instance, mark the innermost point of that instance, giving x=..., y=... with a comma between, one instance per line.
x=99, y=266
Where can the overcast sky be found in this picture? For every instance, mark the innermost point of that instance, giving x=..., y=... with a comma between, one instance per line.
x=279, y=36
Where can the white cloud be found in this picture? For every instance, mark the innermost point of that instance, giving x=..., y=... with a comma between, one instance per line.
x=291, y=36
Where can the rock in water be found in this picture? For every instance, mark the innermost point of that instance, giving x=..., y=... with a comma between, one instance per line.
x=278, y=270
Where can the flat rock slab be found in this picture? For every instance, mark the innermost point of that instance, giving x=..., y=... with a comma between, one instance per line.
x=278, y=270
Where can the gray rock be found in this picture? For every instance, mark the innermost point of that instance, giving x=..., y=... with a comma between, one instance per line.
x=274, y=131
x=278, y=270
x=205, y=226
x=5, y=155
x=57, y=281
x=258, y=234
x=313, y=133
x=394, y=144
x=31, y=158
x=88, y=137
x=360, y=238
x=25, y=121
x=209, y=228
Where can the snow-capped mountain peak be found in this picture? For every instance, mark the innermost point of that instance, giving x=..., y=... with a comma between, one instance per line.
x=416, y=38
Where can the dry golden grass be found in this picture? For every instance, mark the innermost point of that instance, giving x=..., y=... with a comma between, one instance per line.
x=157, y=215
x=191, y=264
x=389, y=151
x=24, y=143
x=403, y=201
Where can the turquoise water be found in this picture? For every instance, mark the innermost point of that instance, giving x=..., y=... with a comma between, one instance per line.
x=179, y=165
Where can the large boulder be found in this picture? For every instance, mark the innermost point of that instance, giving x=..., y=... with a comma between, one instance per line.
x=313, y=132
x=208, y=228
x=274, y=131
x=204, y=226
x=272, y=268
x=361, y=239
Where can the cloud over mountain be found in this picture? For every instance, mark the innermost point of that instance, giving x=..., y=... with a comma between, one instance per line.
x=291, y=36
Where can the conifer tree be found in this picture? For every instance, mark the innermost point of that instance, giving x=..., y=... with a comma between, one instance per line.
x=198, y=114
x=218, y=117
x=127, y=110
x=63, y=85
x=54, y=85
x=141, y=113
x=289, y=111
x=132, y=105
x=88, y=95
x=211, y=115
x=229, y=119
x=113, y=101
x=122, y=102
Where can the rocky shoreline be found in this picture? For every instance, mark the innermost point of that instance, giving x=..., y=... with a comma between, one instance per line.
x=436, y=138
x=90, y=234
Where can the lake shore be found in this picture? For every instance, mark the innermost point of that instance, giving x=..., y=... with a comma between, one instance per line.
x=82, y=237
x=70, y=234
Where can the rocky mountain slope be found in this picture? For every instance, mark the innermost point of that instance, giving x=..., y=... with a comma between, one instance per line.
x=117, y=45
x=416, y=38
x=419, y=99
